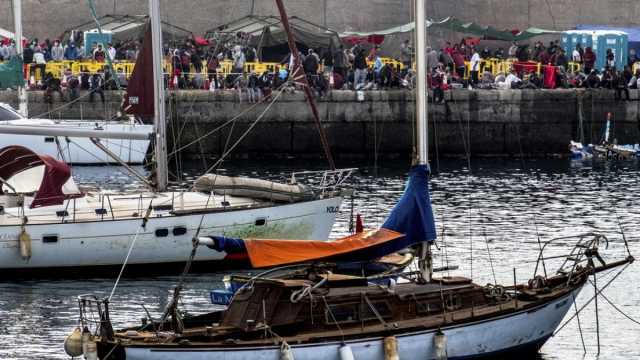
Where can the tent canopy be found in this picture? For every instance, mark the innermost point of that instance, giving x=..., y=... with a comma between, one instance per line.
x=633, y=32
x=453, y=24
x=268, y=32
x=130, y=27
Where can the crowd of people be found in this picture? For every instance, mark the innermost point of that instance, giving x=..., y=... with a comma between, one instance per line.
x=359, y=68
x=462, y=66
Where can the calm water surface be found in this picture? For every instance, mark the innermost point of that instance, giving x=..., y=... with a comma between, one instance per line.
x=485, y=217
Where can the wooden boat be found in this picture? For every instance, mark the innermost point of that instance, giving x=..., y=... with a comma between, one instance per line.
x=313, y=313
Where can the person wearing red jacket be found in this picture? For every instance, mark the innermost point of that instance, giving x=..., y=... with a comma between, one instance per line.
x=589, y=60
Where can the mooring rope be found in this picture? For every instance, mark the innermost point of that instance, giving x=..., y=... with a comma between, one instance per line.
x=618, y=309
x=599, y=292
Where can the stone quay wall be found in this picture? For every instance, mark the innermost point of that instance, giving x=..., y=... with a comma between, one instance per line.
x=534, y=123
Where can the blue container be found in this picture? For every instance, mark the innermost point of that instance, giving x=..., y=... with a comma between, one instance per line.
x=599, y=41
x=93, y=36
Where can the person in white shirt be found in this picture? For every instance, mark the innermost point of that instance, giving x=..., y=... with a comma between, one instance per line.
x=576, y=56
x=112, y=51
x=475, y=66
x=512, y=79
x=513, y=50
x=40, y=61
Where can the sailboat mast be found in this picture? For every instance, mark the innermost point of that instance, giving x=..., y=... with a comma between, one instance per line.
x=421, y=83
x=17, y=33
x=425, y=262
x=162, y=174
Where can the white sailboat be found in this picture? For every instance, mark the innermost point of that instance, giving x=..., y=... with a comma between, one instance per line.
x=79, y=151
x=48, y=225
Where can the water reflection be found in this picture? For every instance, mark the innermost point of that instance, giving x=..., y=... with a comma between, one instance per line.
x=497, y=211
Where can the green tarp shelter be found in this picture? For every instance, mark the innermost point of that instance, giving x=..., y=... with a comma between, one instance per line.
x=267, y=34
x=11, y=73
x=130, y=27
x=453, y=24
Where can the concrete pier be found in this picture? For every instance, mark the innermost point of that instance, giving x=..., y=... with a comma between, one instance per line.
x=481, y=122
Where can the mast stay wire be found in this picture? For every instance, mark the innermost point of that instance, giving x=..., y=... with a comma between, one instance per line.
x=244, y=135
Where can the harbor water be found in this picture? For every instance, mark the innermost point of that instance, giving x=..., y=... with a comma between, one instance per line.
x=489, y=222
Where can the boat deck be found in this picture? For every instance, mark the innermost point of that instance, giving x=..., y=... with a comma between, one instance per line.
x=105, y=206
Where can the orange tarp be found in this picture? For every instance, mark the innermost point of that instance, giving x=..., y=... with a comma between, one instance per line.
x=267, y=253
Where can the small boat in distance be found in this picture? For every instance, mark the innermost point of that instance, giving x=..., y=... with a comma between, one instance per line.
x=605, y=149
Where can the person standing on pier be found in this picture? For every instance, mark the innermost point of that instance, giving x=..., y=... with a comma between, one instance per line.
x=406, y=54
x=475, y=67
x=57, y=51
x=589, y=60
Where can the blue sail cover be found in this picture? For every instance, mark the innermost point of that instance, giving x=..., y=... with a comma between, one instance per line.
x=413, y=215
x=411, y=220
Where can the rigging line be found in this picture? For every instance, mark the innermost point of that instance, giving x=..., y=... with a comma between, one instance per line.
x=590, y=300
x=624, y=238
x=95, y=156
x=48, y=113
x=114, y=76
x=178, y=289
x=220, y=127
x=486, y=240
x=618, y=309
x=133, y=243
x=575, y=306
x=130, y=148
x=245, y=133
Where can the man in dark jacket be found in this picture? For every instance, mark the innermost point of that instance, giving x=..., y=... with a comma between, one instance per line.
x=96, y=85
x=340, y=62
x=360, y=66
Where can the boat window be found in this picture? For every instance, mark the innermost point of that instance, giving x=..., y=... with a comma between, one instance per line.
x=225, y=203
x=179, y=230
x=342, y=313
x=345, y=313
x=261, y=221
x=163, y=207
x=162, y=232
x=381, y=307
x=6, y=114
x=50, y=239
x=101, y=211
x=49, y=139
x=452, y=302
x=62, y=213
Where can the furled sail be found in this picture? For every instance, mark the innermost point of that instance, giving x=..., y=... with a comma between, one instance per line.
x=411, y=222
x=139, y=97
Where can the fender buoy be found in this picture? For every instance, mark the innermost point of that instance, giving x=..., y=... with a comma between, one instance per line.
x=25, y=244
x=73, y=343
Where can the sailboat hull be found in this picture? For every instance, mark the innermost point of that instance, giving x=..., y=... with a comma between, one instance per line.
x=81, y=151
x=165, y=239
x=520, y=333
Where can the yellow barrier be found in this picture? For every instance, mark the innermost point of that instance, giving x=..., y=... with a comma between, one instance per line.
x=574, y=67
